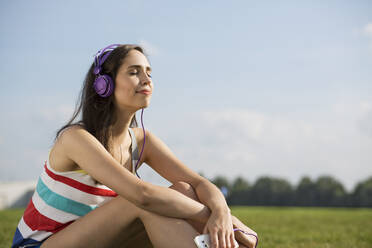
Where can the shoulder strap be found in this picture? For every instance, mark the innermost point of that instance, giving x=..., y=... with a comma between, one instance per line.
x=134, y=150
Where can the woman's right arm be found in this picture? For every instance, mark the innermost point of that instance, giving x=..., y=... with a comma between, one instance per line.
x=85, y=150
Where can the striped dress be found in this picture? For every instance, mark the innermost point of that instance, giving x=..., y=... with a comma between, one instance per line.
x=59, y=199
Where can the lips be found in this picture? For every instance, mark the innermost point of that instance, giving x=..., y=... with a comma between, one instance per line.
x=146, y=92
x=144, y=89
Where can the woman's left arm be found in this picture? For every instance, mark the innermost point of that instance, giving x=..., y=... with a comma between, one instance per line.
x=212, y=197
x=219, y=225
x=162, y=160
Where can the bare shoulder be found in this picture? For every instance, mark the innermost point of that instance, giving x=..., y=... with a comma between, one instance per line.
x=69, y=134
x=78, y=145
x=58, y=159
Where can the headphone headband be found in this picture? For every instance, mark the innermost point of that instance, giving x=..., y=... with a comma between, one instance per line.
x=98, y=60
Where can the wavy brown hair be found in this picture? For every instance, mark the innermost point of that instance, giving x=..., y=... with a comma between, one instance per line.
x=97, y=113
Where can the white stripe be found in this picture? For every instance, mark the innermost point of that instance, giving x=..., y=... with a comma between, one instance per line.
x=80, y=177
x=83, y=178
x=71, y=192
x=27, y=233
x=105, y=201
x=51, y=212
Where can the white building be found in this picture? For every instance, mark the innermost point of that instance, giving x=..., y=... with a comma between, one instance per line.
x=12, y=193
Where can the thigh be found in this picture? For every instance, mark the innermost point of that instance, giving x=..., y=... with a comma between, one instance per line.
x=103, y=227
x=168, y=232
x=136, y=236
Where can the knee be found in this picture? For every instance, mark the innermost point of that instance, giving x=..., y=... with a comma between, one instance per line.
x=186, y=189
x=182, y=187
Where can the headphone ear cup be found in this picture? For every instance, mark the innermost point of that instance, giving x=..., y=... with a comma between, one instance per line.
x=103, y=85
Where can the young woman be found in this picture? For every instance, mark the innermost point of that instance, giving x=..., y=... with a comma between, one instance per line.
x=88, y=194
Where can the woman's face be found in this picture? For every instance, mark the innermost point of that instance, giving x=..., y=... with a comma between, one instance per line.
x=132, y=77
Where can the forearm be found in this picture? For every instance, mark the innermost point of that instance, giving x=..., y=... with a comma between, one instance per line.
x=171, y=203
x=211, y=196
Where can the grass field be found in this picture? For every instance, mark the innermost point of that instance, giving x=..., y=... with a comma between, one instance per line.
x=277, y=227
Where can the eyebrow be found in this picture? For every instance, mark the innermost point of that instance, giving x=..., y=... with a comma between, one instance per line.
x=139, y=66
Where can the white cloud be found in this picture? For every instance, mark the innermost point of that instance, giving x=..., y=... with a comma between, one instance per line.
x=368, y=29
x=247, y=123
x=335, y=140
x=150, y=49
x=365, y=120
x=62, y=112
x=245, y=142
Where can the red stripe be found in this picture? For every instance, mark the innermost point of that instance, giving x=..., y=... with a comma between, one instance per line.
x=80, y=186
x=36, y=221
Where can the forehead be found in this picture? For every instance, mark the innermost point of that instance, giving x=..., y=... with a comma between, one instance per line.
x=135, y=57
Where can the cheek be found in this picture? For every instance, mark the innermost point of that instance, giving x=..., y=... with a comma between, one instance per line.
x=124, y=93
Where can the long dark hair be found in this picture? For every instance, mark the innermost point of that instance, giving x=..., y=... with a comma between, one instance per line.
x=97, y=113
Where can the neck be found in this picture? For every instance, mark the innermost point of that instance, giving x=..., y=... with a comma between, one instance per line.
x=121, y=127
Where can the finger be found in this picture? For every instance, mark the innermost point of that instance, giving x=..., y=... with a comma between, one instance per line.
x=232, y=239
x=214, y=239
x=233, y=236
x=228, y=242
x=222, y=240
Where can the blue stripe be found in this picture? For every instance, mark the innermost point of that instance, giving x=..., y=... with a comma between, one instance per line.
x=60, y=202
x=18, y=240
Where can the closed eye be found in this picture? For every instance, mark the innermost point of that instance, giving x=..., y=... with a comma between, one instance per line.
x=135, y=73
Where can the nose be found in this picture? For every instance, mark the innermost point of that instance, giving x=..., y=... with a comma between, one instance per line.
x=146, y=79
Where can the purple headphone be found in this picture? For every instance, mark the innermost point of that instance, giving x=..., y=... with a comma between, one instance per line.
x=103, y=84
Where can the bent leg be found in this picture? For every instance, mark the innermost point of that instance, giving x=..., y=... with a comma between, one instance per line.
x=161, y=227
x=136, y=237
x=243, y=240
x=167, y=232
x=117, y=224
x=189, y=191
x=102, y=227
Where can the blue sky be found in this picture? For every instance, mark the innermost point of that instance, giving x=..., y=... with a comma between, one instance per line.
x=249, y=88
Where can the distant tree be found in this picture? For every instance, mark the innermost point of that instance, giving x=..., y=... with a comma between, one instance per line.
x=330, y=192
x=272, y=192
x=241, y=197
x=324, y=191
x=240, y=192
x=240, y=184
x=305, y=193
x=362, y=195
x=220, y=182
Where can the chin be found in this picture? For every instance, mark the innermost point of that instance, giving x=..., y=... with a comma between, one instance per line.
x=144, y=106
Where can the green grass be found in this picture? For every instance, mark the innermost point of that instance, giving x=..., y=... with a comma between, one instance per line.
x=8, y=224
x=292, y=227
x=277, y=227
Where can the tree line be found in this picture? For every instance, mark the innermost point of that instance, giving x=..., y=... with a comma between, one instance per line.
x=325, y=191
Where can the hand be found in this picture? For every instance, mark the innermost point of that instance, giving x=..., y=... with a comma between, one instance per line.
x=247, y=240
x=220, y=229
